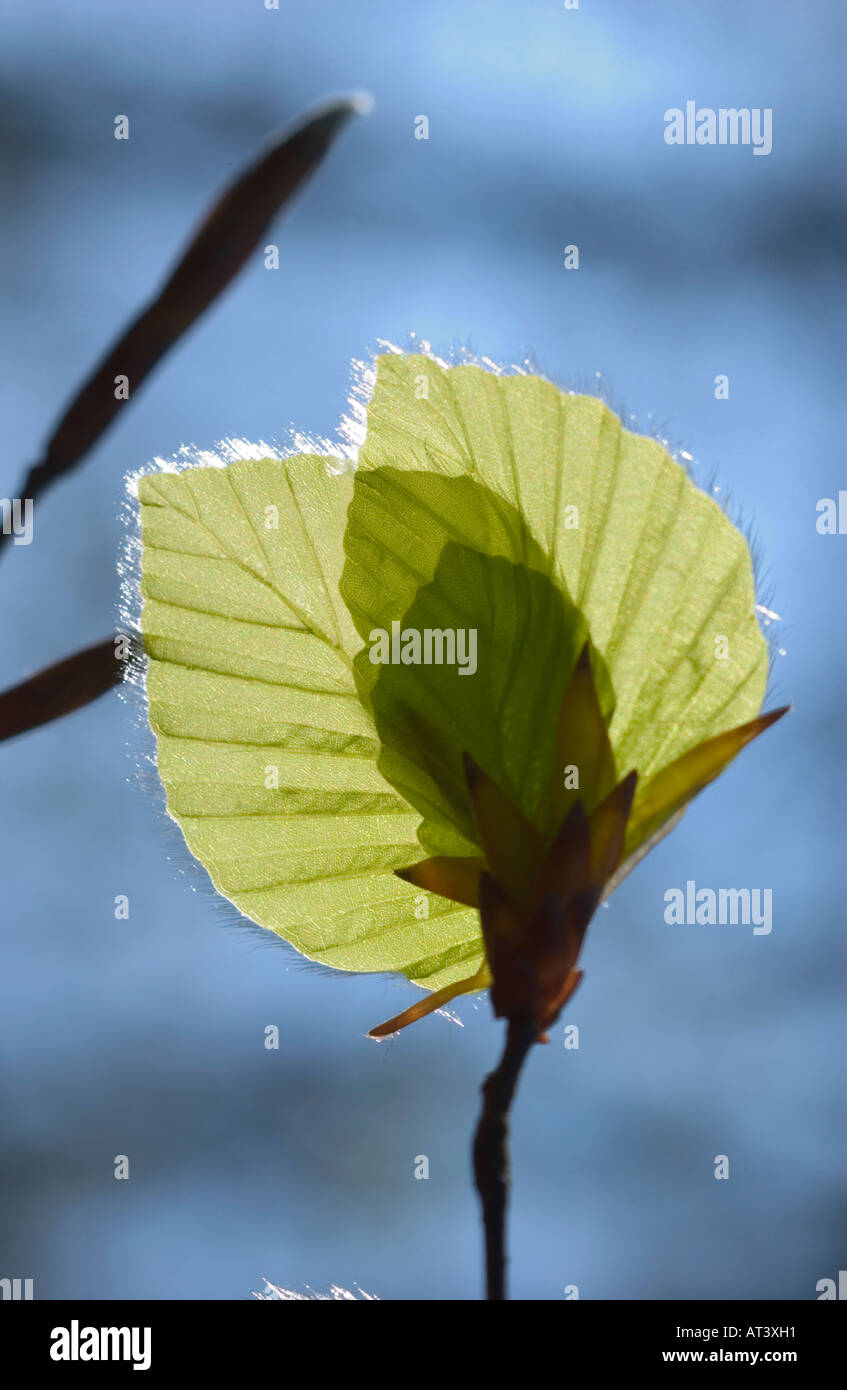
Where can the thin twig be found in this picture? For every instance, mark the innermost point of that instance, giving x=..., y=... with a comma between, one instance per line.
x=218, y=250
x=66, y=686
x=224, y=242
x=491, y=1149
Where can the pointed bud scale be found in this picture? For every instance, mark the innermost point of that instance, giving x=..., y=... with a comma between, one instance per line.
x=457, y=879
x=512, y=846
x=582, y=742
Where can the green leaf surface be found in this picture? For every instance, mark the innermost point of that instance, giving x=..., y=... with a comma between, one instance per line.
x=399, y=524
x=658, y=570
x=250, y=670
x=503, y=713
x=429, y=552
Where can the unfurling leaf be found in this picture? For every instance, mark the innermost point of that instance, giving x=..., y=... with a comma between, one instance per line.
x=486, y=673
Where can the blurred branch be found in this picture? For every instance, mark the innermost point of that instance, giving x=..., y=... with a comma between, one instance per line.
x=217, y=252
x=67, y=686
x=219, y=249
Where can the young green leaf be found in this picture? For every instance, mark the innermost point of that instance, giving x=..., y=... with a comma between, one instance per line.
x=399, y=523
x=268, y=758
x=501, y=707
x=616, y=653
x=662, y=577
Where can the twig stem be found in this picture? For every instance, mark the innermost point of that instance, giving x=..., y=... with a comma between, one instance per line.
x=491, y=1150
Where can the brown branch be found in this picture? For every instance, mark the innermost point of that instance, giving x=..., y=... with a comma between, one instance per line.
x=216, y=253
x=491, y=1149
x=226, y=239
x=67, y=686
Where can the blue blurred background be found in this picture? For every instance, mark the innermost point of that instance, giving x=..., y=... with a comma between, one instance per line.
x=145, y=1037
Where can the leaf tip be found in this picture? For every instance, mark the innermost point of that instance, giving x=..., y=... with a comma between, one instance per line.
x=583, y=661
x=774, y=715
x=472, y=771
x=361, y=103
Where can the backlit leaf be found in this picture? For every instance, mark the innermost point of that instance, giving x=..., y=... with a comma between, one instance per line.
x=250, y=682
x=658, y=570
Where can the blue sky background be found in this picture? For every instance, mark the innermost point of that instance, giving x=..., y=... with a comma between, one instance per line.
x=146, y=1037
